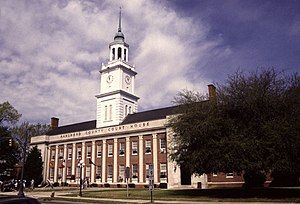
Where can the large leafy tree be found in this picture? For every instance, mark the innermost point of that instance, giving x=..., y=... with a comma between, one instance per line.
x=252, y=127
x=34, y=166
x=8, y=148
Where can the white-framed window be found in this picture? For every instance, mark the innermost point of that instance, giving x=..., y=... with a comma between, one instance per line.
x=88, y=171
x=99, y=150
x=110, y=112
x=125, y=54
x=109, y=171
x=147, y=170
x=88, y=151
x=110, y=150
x=77, y=172
x=229, y=175
x=135, y=171
x=121, y=177
x=214, y=174
x=61, y=153
x=98, y=172
x=105, y=113
x=78, y=152
x=162, y=145
x=69, y=153
x=53, y=154
x=59, y=173
x=148, y=146
x=163, y=172
x=51, y=172
x=125, y=110
x=69, y=171
x=134, y=145
x=121, y=149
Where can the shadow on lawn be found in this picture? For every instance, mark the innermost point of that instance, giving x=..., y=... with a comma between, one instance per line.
x=275, y=193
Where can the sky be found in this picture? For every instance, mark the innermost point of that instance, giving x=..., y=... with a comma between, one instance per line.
x=51, y=51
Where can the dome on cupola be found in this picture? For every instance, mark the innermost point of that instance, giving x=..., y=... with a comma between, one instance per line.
x=119, y=36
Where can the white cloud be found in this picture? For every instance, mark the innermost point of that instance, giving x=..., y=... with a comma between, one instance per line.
x=51, y=53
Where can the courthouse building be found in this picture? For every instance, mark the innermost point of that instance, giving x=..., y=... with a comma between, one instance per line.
x=120, y=137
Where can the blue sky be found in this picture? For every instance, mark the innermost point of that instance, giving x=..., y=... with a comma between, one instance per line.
x=51, y=51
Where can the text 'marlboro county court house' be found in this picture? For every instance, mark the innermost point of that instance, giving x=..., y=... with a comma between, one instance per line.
x=120, y=137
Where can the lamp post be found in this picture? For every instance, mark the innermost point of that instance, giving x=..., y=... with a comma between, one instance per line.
x=80, y=165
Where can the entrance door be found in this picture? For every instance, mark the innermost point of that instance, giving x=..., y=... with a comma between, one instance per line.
x=185, y=175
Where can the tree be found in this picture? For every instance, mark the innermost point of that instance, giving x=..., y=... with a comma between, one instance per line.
x=8, y=114
x=34, y=166
x=252, y=127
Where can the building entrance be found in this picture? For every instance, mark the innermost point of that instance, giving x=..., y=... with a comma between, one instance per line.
x=185, y=175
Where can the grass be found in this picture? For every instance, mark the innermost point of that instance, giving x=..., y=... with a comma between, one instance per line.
x=264, y=194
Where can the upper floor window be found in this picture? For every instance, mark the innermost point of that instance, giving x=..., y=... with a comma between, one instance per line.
x=122, y=148
x=105, y=113
x=99, y=150
x=148, y=146
x=134, y=148
x=110, y=150
x=119, y=53
x=69, y=153
x=162, y=145
x=229, y=175
x=52, y=154
x=125, y=110
x=78, y=152
x=88, y=151
x=61, y=153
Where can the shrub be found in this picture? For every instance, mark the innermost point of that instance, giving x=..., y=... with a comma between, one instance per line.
x=163, y=185
x=131, y=185
x=56, y=184
x=64, y=184
x=94, y=185
x=106, y=185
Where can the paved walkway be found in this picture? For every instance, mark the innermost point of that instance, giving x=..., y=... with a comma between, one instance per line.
x=61, y=194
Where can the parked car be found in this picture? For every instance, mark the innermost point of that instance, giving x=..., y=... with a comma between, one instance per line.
x=8, y=185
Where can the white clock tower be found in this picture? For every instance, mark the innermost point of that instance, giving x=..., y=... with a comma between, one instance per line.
x=117, y=98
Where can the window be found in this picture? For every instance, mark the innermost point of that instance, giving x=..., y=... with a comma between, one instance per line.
x=147, y=170
x=69, y=153
x=110, y=112
x=52, y=154
x=77, y=172
x=113, y=53
x=214, y=174
x=105, y=116
x=134, y=171
x=162, y=145
x=99, y=150
x=110, y=150
x=229, y=175
x=125, y=54
x=163, y=172
x=129, y=110
x=61, y=153
x=119, y=53
x=148, y=146
x=125, y=110
x=59, y=173
x=51, y=172
x=109, y=171
x=134, y=148
x=121, y=177
x=88, y=151
x=69, y=171
x=88, y=172
x=78, y=152
x=122, y=148
x=98, y=172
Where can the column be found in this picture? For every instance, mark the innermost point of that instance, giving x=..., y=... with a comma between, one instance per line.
x=83, y=159
x=73, y=158
x=115, y=174
x=56, y=163
x=104, y=161
x=93, y=160
x=47, y=163
x=155, y=165
x=65, y=163
x=141, y=159
x=127, y=159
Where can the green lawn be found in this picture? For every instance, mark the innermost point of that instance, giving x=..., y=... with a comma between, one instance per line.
x=292, y=195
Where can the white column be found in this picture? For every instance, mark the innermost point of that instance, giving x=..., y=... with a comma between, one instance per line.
x=93, y=160
x=46, y=172
x=65, y=163
x=104, y=161
x=73, y=158
x=155, y=165
x=56, y=163
x=83, y=159
x=127, y=159
x=115, y=174
x=141, y=159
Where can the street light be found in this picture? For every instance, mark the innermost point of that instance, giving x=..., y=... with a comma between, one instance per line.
x=80, y=165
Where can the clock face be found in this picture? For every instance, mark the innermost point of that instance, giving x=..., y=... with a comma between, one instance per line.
x=109, y=79
x=127, y=79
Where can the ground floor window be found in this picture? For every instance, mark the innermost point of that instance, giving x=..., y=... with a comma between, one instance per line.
x=135, y=173
x=98, y=172
x=51, y=173
x=121, y=173
x=88, y=172
x=163, y=172
x=109, y=173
